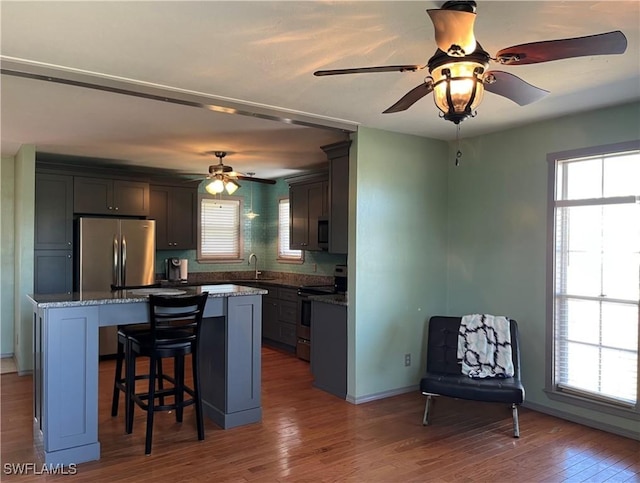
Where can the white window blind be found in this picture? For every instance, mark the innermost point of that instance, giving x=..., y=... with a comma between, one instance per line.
x=597, y=277
x=284, y=252
x=220, y=233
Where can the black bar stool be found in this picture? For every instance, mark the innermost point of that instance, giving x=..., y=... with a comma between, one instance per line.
x=174, y=331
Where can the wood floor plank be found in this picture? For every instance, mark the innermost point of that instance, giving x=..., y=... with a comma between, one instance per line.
x=307, y=435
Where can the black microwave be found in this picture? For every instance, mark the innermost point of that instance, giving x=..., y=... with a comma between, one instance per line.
x=323, y=233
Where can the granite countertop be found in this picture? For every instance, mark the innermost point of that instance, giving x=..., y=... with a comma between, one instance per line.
x=335, y=299
x=78, y=299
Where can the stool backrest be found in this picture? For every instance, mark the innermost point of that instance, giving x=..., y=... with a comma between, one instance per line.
x=176, y=319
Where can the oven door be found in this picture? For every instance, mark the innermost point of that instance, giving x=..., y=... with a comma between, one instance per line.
x=303, y=328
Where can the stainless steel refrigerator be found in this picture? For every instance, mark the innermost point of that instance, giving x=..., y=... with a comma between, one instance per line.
x=118, y=252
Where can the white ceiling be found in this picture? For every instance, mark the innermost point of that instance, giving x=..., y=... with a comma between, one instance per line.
x=258, y=58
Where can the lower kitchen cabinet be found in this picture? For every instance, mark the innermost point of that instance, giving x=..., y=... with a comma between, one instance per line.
x=279, y=315
x=329, y=347
x=53, y=271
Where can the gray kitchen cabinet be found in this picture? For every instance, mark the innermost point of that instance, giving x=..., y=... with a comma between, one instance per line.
x=53, y=271
x=175, y=210
x=329, y=347
x=104, y=196
x=338, y=155
x=53, y=234
x=53, y=215
x=279, y=316
x=308, y=201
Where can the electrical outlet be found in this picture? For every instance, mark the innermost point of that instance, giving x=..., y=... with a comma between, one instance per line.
x=407, y=360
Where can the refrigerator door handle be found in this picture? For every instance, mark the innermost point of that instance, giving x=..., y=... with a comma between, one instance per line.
x=115, y=267
x=124, y=261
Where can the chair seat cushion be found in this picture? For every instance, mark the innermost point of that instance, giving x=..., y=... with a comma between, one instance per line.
x=181, y=343
x=503, y=390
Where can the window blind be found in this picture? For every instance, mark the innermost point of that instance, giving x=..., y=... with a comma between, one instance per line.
x=220, y=228
x=597, y=277
x=284, y=252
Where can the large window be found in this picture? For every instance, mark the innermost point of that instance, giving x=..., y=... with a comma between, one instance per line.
x=284, y=252
x=220, y=237
x=596, y=277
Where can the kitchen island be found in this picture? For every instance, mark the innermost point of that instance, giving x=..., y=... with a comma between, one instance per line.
x=66, y=361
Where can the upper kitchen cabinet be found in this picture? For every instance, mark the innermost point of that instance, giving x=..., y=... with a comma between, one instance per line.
x=338, y=155
x=53, y=212
x=308, y=202
x=175, y=210
x=104, y=196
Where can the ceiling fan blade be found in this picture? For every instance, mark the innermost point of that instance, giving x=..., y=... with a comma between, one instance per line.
x=366, y=70
x=410, y=98
x=512, y=87
x=454, y=31
x=546, y=51
x=257, y=180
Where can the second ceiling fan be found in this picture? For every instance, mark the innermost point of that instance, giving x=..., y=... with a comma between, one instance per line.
x=458, y=69
x=222, y=177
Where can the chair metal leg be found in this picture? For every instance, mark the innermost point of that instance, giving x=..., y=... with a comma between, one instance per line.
x=130, y=389
x=427, y=407
x=178, y=376
x=516, y=426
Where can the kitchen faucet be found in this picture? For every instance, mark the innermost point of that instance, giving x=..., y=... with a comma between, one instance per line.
x=255, y=258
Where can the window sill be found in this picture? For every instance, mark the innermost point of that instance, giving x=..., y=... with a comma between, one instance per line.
x=593, y=405
x=289, y=260
x=219, y=260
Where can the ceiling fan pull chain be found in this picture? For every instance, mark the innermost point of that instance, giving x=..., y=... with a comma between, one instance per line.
x=458, y=153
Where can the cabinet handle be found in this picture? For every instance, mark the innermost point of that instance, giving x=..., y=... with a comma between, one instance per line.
x=111, y=207
x=69, y=243
x=68, y=256
x=116, y=208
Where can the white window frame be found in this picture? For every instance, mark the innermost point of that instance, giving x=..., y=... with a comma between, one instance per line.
x=554, y=390
x=285, y=254
x=220, y=257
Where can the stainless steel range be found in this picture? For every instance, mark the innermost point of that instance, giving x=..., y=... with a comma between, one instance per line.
x=303, y=327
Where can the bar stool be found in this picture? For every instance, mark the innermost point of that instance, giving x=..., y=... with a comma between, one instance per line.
x=125, y=332
x=175, y=323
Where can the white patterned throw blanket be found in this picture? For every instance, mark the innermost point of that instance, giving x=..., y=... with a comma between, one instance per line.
x=484, y=346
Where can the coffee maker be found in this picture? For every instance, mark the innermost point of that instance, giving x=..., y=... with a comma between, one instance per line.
x=176, y=269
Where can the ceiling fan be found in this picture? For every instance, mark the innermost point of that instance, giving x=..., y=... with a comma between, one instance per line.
x=223, y=177
x=458, y=70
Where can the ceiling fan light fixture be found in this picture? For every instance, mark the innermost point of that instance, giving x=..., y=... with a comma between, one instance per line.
x=458, y=88
x=215, y=187
x=231, y=186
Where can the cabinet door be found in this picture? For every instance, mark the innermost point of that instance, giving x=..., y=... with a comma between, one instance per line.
x=53, y=271
x=299, y=220
x=270, y=328
x=339, y=196
x=182, y=218
x=131, y=198
x=53, y=212
x=174, y=210
x=159, y=211
x=317, y=202
x=93, y=196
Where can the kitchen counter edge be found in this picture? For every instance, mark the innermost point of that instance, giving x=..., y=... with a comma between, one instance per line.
x=335, y=299
x=127, y=297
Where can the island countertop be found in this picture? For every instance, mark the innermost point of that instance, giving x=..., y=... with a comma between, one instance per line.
x=78, y=299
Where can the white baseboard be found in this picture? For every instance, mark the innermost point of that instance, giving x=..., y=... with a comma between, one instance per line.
x=382, y=395
x=6, y=356
x=627, y=433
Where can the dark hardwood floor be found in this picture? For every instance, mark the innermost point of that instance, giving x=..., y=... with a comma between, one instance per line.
x=307, y=435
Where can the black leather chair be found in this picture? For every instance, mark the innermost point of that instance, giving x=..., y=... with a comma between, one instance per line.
x=444, y=375
x=174, y=332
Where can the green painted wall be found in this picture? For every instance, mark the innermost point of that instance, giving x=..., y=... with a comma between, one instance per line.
x=397, y=262
x=497, y=216
x=25, y=168
x=7, y=254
